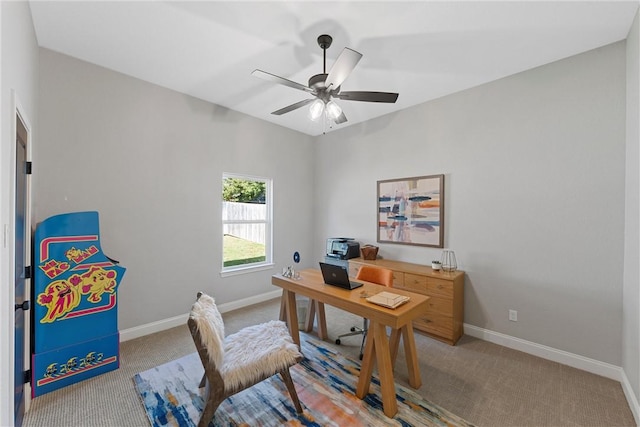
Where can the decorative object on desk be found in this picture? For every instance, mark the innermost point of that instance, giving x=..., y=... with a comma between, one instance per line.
x=448, y=260
x=290, y=272
x=325, y=381
x=436, y=265
x=363, y=294
x=296, y=257
x=411, y=211
x=369, y=252
x=388, y=299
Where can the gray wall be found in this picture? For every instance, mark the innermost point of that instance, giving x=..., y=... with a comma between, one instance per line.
x=19, y=76
x=150, y=161
x=535, y=193
x=631, y=289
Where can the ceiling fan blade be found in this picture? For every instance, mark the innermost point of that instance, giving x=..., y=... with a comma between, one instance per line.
x=281, y=80
x=341, y=118
x=389, y=97
x=343, y=66
x=292, y=107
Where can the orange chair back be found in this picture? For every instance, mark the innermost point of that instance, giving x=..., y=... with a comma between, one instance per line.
x=381, y=276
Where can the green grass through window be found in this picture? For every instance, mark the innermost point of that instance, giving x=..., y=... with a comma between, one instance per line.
x=239, y=251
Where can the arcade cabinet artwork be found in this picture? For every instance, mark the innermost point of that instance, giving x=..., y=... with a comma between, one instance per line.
x=75, y=319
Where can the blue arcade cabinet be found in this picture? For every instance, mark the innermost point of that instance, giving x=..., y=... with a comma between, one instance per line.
x=75, y=318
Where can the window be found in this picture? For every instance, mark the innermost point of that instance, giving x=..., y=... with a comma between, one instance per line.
x=246, y=222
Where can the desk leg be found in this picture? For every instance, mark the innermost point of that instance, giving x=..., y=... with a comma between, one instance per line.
x=385, y=370
x=316, y=312
x=283, y=306
x=322, y=321
x=412, y=359
x=311, y=315
x=366, y=369
x=379, y=343
x=292, y=316
x=394, y=343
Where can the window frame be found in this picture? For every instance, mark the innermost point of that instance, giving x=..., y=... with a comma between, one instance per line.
x=268, y=222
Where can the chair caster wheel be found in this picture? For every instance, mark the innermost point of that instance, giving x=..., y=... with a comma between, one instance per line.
x=338, y=341
x=353, y=329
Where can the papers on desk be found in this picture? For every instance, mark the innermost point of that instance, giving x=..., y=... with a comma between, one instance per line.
x=388, y=299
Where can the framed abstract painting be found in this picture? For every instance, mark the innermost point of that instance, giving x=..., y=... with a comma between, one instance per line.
x=411, y=211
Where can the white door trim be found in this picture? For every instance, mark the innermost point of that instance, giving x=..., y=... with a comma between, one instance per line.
x=7, y=417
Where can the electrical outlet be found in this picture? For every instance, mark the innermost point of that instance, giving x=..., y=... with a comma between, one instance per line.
x=513, y=315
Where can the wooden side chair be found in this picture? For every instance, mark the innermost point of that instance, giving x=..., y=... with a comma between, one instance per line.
x=381, y=276
x=241, y=360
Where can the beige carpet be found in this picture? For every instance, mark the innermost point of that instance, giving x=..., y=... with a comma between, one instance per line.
x=484, y=383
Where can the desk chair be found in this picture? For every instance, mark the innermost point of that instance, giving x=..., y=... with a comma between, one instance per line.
x=241, y=360
x=381, y=276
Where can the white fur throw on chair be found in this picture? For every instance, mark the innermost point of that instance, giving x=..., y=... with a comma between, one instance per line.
x=255, y=350
x=210, y=326
x=246, y=356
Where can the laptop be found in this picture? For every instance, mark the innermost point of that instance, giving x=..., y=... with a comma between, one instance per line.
x=337, y=276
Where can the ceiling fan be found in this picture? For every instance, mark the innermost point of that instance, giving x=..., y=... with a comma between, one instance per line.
x=325, y=87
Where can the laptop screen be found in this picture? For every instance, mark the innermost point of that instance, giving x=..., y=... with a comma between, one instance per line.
x=337, y=276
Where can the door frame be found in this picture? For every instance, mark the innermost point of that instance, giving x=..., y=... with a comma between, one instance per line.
x=18, y=111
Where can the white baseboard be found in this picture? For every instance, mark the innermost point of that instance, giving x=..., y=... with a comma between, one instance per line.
x=570, y=359
x=153, y=327
x=172, y=322
x=632, y=399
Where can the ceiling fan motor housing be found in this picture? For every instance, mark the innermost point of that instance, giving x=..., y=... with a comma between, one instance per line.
x=317, y=84
x=317, y=81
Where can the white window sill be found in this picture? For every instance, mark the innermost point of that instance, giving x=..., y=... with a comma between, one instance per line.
x=248, y=269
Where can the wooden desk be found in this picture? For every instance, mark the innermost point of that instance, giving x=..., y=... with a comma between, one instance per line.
x=378, y=348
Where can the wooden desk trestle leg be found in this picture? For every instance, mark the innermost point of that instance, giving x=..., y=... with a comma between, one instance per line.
x=380, y=343
x=412, y=358
x=366, y=369
x=406, y=332
x=292, y=316
x=311, y=315
x=383, y=351
x=394, y=343
x=283, y=306
x=317, y=308
x=315, y=311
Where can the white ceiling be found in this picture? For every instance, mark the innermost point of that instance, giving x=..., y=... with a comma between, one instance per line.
x=421, y=49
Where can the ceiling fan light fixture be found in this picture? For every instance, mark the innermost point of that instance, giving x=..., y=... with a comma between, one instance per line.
x=316, y=109
x=333, y=110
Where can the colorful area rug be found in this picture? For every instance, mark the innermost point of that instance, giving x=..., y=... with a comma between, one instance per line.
x=325, y=382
